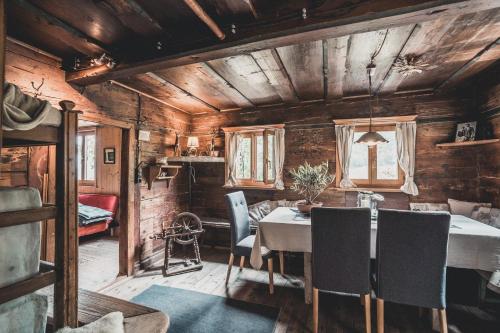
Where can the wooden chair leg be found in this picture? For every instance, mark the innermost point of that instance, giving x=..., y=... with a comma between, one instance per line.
x=282, y=263
x=380, y=315
x=315, y=310
x=368, y=314
x=242, y=262
x=271, y=280
x=443, y=322
x=229, y=266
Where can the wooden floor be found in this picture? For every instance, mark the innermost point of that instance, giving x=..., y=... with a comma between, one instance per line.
x=97, y=262
x=337, y=313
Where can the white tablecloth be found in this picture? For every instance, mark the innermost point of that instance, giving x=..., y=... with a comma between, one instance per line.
x=472, y=244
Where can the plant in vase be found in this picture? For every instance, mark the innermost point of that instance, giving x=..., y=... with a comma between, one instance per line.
x=310, y=181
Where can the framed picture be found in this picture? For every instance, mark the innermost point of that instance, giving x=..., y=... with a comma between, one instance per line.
x=109, y=156
x=466, y=131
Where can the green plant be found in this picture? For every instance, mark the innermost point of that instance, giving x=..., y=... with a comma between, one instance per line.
x=311, y=180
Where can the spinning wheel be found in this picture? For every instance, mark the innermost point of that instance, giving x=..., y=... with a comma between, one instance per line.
x=185, y=230
x=185, y=226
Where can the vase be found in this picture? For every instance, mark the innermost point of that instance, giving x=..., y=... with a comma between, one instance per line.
x=306, y=208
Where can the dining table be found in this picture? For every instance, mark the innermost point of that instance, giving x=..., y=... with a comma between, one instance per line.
x=471, y=245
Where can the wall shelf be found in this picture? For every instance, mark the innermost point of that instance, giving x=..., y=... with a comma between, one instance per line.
x=195, y=159
x=466, y=143
x=160, y=172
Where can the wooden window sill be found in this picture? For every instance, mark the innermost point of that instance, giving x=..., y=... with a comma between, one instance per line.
x=252, y=187
x=373, y=189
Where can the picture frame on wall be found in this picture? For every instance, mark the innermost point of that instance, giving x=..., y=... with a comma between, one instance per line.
x=109, y=156
x=466, y=131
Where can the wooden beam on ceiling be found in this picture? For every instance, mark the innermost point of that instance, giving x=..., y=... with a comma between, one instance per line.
x=165, y=82
x=325, y=69
x=252, y=8
x=202, y=14
x=94, y=45
x=272, y=66
x=462, y=70
x=319, y=25
x=147, y=95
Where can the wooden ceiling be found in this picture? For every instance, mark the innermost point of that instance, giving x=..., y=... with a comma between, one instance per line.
x=455, y=47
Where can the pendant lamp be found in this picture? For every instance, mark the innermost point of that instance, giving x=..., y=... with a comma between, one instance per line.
x=371, y=138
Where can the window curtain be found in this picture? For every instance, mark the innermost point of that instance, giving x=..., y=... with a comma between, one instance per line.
x=232, y=157
x=405, y=141
x=345, y=139
x=279, y=157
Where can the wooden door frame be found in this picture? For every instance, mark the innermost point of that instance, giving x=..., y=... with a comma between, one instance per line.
x=126, y=236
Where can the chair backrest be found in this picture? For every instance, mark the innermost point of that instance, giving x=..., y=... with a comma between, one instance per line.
x=238, y=217
x=412, y=248
x=341, y=249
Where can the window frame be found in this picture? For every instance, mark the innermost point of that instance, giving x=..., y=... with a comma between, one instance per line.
x=253, y=132
x=378, y=124
x=373, y=181
x=83, y=132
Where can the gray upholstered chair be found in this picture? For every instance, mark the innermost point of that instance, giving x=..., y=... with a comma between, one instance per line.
x=341, y=255
x=412, y=248
x=241, y=239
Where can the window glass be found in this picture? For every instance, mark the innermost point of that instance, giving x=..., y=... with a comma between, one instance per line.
x=358, y=169
x=244, y=170
x=260, y=157
x=387, y=157
x=79, y=147
x=270, y=157
x=90, y=157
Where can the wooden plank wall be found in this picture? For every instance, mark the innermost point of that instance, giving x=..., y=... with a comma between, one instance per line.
x=440, y=173
x=106, y=102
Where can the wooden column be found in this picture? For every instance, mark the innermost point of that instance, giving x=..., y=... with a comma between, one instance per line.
x=66, y=247
x=127, y=216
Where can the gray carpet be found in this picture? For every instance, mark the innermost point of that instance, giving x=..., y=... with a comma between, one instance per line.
x=194, y=312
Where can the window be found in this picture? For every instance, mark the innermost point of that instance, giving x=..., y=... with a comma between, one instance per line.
x=255, y=161
x=376, y=166
x=86, y=157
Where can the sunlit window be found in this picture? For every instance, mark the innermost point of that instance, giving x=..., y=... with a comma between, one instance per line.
x=86, y=157
x=377, y=165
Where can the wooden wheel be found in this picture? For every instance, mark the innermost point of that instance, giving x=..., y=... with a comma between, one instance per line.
x=185, y=223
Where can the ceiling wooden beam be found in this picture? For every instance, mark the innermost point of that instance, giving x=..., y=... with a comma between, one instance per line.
x=325, y=69
x=319, y=25
x=147, y=95
x=453, y=77
x=165, y=82
x=252, y=8
x=272, y=66
x=202, y=15
x=92, y=44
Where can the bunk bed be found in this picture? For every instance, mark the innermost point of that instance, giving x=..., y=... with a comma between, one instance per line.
x=61, y=132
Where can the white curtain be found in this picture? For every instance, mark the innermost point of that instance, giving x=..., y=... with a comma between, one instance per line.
x=345, y=138
x=279, y=157
x=232, y=157
x=405, y=140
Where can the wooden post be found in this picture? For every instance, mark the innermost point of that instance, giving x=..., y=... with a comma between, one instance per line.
x=66, y=249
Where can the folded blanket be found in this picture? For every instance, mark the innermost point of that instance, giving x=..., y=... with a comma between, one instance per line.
x=90, y=212
x=83, y=221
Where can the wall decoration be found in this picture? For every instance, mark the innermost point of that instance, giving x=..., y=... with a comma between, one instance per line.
x=109, y=156
x=466, y=131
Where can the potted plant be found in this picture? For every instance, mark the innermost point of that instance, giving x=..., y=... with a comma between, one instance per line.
x=310, y=181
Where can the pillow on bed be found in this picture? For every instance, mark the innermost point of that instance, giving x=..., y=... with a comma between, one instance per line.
x=258, y=211
x=110, y=323
x=465, y=208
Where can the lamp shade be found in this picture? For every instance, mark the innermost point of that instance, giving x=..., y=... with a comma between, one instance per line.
x=193, y=142
x=371, y=139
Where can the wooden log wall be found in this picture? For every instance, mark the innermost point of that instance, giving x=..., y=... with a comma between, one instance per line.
x=106, y=103
x=440, y=173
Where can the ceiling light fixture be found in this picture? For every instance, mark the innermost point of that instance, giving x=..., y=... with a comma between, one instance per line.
x=371, y=138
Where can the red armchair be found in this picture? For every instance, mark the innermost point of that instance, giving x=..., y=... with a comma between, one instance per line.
x=108, y=202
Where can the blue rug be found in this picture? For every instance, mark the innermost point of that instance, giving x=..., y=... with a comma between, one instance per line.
x=194, y=312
